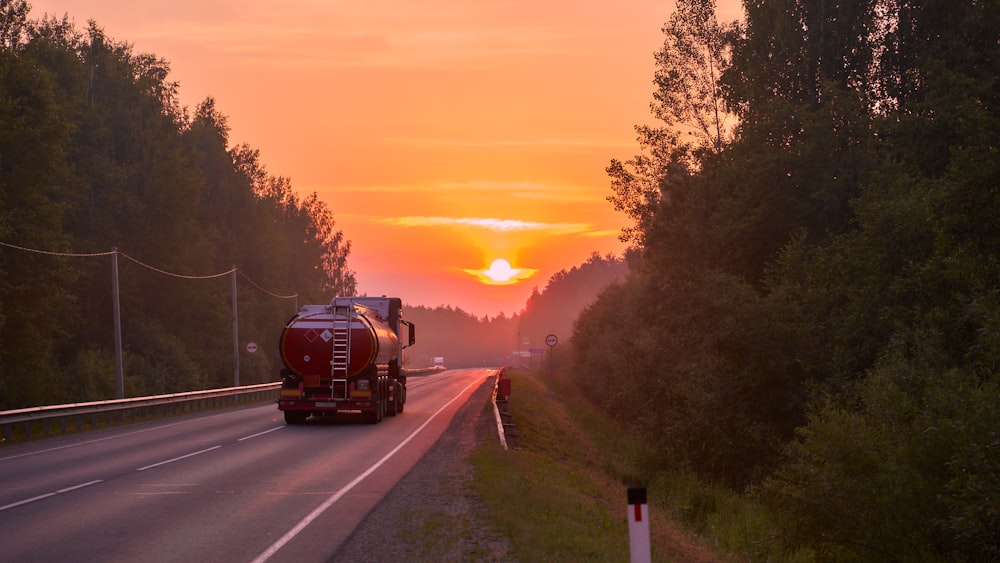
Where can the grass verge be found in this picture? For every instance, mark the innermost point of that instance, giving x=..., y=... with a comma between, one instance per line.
x=562, y=495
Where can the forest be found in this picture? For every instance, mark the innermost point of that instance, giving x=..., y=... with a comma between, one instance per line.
x=99, y=162
x=813, y=324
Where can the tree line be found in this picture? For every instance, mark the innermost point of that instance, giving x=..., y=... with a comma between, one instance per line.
x=814, y=319
x=96, y=153
x=464, y=340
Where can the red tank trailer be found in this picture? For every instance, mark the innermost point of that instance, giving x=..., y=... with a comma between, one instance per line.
x=344, y=356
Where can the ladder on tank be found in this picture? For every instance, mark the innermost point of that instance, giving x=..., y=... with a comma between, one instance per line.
x=341, y=357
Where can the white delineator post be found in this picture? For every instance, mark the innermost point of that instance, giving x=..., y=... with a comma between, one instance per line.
x=638, y=526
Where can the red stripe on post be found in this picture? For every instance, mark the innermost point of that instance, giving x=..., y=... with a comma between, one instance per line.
x=638, y=512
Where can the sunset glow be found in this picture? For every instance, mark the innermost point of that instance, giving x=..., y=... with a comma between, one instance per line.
x=441, y=134
x=500, y=272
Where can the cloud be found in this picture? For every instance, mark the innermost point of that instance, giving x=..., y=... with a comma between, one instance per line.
x=489, y=223
x=603, y=233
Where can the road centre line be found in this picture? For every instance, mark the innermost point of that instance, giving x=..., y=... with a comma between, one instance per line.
x=47, y=495
x=178, y=458
x=290, y=535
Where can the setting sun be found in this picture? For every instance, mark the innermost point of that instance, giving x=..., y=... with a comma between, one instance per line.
x=500, y=272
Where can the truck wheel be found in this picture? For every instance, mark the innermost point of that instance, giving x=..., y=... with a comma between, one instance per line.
x=374, y=416
x=397, y=403
x=295, y=417
x=390, y=405
x=383, y=401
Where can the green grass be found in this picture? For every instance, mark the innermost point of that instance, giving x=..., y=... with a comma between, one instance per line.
x=562, y=495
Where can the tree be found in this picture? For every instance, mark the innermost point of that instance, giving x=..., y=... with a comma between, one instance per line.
x=38, y=80
x=556, y=308
x=688, y=96
x=13, y=23
x=639, y=184
x=694, y=56
x=901, y=313
x=337, y=279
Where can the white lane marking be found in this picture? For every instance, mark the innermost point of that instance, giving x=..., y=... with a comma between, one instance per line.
x=26, y=501
x=47, y=495
x=57, y=448
x=116, y=436
x=347, y=488
x=178, y=458
x=260, y=433
x=80, y=486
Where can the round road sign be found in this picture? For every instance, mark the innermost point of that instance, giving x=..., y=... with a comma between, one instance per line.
x=551, y=340
x=251, y=347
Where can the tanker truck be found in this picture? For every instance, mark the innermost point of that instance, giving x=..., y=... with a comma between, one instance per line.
x=344, y=356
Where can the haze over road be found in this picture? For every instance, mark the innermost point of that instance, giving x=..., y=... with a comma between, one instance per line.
x=237, y=485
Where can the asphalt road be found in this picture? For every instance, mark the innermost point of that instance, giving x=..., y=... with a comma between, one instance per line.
x=237, y=485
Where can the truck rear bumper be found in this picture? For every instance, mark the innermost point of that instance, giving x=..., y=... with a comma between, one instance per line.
x=321, y=405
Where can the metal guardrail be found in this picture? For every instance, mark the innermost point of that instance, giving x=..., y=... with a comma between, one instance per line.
x=43, y=418
x=134, y=408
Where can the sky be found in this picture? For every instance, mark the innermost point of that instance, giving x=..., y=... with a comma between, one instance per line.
x=443, y=135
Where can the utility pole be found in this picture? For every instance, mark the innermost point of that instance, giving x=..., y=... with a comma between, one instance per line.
x=236, y=336
x=119, y=369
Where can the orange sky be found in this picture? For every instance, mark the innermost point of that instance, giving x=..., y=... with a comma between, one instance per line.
x=442, y=134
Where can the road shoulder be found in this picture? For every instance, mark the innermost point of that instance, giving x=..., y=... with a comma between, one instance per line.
x=432, y=514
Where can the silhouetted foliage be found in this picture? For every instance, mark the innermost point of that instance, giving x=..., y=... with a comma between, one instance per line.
x=814, y=316
x=556, y=308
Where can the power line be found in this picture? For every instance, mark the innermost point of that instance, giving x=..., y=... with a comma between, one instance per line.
x=69, y=254
x=114, y=267
x=149, y=267
x=182, y=276
x=259, y=288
